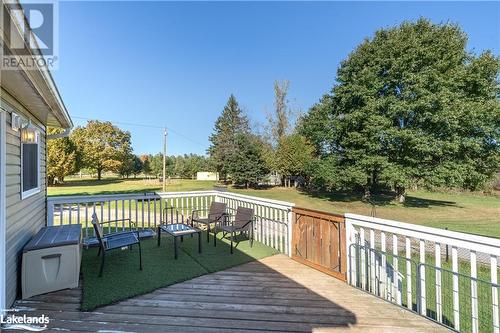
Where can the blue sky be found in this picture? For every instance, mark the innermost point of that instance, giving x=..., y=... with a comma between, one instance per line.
x=175, y=64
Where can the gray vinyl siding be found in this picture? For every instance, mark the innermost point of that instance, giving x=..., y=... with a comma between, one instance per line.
x=24, y=217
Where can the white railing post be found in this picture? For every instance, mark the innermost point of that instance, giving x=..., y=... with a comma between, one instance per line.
x=362, y=253
x=50, y=213
x=395, y=264
x=473, y=292
x=494, y=293
x=439, y=306
x=349, y=241
x=422, y=286
x=409, y=297
x=289, y=226
x=456, y=291
x=383, y=266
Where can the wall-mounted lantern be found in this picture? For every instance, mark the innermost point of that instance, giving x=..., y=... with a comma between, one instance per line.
x=29, y=134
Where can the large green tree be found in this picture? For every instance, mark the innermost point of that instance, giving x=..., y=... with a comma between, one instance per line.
x=103, y=146
x=411, y=107
x=228, y=126
x=294, y=157
x=247, y=165
x=62, y=157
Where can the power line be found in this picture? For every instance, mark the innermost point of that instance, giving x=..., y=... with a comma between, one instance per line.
x=147, y=126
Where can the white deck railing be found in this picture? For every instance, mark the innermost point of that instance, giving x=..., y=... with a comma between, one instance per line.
x=273, y=217
x=410, y=243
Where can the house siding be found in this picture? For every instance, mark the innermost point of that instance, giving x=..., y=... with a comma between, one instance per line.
x=23, y=217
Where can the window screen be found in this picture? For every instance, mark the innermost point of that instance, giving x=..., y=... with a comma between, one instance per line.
x=30, y=166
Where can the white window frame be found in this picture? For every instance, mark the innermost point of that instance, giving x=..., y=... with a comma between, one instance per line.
x=36, y=190
x=3, y=222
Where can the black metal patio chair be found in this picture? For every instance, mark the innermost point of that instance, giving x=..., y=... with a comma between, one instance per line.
x=215, y=215
x=116, y=240
x=243, y=221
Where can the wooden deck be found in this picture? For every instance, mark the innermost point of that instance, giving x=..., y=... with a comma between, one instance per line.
x=274, y=294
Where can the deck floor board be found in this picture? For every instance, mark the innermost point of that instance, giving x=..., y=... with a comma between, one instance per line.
x=275, y=294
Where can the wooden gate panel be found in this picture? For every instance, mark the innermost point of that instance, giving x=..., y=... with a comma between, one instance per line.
x=318, y=240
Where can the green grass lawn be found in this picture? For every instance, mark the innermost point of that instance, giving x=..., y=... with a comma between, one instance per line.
x=122, y=278
x=77, y=186
x=466, y=212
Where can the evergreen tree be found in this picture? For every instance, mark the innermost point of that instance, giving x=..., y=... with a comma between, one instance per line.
x=228, y=126
x=247, y=165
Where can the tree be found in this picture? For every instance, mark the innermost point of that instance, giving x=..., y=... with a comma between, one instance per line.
x=279, y=122
x=411, y=107
x=137, y=166
x=156, y=164
x=294, y=157
x=146, y=164
x=126, y=167
x=247, y=165
x=228, y=126
x=103, y=146
x=62, y=158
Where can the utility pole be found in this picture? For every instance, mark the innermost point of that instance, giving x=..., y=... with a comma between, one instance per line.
x=165, y=160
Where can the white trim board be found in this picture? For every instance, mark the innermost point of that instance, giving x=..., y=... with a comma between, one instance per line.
x=3, y=222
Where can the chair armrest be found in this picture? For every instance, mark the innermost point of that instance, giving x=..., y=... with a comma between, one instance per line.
x=194, y=213
x=131, y=223
x=118, y=220
x=216, y=215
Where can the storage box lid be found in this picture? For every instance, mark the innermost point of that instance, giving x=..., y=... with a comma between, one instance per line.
x=55, y=236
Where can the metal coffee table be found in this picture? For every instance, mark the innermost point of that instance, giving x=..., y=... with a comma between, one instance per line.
x=177, y=230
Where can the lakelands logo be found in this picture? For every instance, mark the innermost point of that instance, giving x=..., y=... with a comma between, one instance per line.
x=31, y=29
x=24, y=322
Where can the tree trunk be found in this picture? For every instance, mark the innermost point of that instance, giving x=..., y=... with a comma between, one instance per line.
x=367, y=194
x=401, y=194
x=99, y=172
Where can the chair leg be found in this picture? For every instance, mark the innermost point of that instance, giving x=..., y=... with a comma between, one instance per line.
x=251, y=237
x=215, y=234
x=140, y=256
x=199, y=242
x=175, y=248
x=99, y=251
x=102, y=263
x=159, y=236
x=232, y=242
x=208, y=233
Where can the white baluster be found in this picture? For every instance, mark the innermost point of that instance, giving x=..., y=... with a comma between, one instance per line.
x=473, y=290
x=494, y=293
x=439, y=306
x=456, y=297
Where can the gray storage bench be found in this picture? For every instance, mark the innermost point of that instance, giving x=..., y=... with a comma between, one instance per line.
x=51, y=260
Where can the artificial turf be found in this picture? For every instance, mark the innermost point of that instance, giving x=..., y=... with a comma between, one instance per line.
x=122, y=278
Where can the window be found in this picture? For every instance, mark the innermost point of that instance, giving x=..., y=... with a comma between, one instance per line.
x=30, y=162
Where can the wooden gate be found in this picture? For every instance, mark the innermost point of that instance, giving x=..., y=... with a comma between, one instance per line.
x=319, y=241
